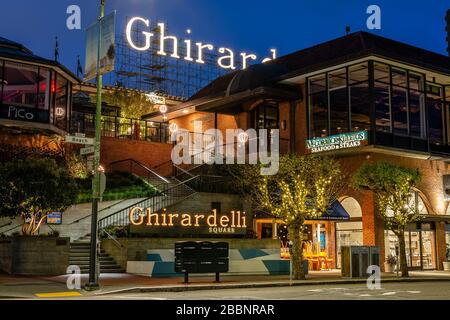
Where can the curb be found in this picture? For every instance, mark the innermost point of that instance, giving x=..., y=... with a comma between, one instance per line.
x=194, y=287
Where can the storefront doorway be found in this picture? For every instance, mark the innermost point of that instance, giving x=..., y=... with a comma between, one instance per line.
x=349, y=233
x=420, y=240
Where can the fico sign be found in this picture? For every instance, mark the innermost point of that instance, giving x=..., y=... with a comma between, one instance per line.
x=24, y=114
x=225, y=61
x=19, y=113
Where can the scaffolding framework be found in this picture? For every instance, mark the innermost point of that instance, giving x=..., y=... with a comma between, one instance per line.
x=151, y=72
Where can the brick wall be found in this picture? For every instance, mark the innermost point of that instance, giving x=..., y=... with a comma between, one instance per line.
x=149, y=153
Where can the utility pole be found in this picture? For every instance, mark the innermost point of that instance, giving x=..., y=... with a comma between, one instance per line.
x=93, y=275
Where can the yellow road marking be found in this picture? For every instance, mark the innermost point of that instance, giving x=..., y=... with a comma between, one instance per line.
x=58, y=294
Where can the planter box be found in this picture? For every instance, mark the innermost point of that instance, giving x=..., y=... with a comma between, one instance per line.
x=446, y=265
x=34, y=255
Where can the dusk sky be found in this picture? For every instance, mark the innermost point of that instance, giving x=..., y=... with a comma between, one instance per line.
x=250, y=25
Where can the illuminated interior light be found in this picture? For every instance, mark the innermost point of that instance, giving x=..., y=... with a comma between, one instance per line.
x=173, y=127
x=163, y=108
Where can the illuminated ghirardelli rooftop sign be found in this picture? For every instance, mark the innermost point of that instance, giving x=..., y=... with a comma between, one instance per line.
x=194, y=51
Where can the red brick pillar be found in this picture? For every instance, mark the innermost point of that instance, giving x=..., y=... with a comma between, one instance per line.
x=373, y=226
x=331, y=241
x=440, y=244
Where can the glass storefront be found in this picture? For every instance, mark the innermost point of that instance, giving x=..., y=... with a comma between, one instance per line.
x=33, y=94
x=420, y=241
x=405, y=104
x=317, y=240
x=347, y=234
x=447, y=241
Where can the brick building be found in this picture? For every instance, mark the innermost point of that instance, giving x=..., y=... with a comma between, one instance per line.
x=396, y=95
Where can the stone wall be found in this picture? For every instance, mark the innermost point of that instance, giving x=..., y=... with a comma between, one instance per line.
x=34, y=255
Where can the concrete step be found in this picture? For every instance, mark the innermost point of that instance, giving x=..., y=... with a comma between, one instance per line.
x=105, y=271
x=82, y=260
x=80, y=256
x=80, y=244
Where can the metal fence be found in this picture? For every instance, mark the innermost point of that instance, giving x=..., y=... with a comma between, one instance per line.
x=122, y=128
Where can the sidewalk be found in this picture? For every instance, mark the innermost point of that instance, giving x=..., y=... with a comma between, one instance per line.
x=33, y=287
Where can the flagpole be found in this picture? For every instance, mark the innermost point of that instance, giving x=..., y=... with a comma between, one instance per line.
x=93, y=275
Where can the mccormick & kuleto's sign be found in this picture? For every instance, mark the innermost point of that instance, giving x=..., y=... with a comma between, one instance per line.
x=337, y=142
x=145, y=221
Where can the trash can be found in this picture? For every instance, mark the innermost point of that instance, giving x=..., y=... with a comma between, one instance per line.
x=356, y=260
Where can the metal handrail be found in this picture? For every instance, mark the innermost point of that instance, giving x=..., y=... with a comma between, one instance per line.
x=15, y=227
x=172, y=191
x=142, y=166
x=117, y=243
x=101, y=210
x=6, y=224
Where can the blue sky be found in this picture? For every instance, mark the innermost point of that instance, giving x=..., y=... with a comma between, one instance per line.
x=243, y=25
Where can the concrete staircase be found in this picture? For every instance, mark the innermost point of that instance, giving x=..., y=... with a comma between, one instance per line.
x=79, y=255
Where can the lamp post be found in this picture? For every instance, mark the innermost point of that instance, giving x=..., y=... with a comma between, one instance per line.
x=93, y=275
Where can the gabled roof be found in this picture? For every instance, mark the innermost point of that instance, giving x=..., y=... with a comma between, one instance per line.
x=343, y=49
x=13, y=50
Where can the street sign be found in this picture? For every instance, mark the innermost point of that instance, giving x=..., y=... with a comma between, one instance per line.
x=90, y=162
x=87, y=150
x=79, y=140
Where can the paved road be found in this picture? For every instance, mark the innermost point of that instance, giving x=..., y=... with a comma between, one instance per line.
x=389, y=291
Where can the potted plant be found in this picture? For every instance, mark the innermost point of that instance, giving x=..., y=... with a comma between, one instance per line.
x=389, y=264
x=446, y=263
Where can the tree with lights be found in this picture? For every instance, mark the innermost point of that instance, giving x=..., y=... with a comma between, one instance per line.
x=32, y=188
x=394, y=188
x=133, y=104
x=303, y=189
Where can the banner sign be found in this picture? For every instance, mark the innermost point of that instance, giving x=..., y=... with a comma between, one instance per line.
x=108, y=47
x=145, y=221
x=337, y=142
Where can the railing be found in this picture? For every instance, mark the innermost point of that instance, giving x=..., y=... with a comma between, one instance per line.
x=156, y=203
x=6, y=224
x=141, y=170
x=122, y=128
x=117, y=243
x=99, y=211
x=11, y=229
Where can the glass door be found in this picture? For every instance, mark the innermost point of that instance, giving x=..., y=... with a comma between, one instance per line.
x=428, y=245
x=414, y=250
